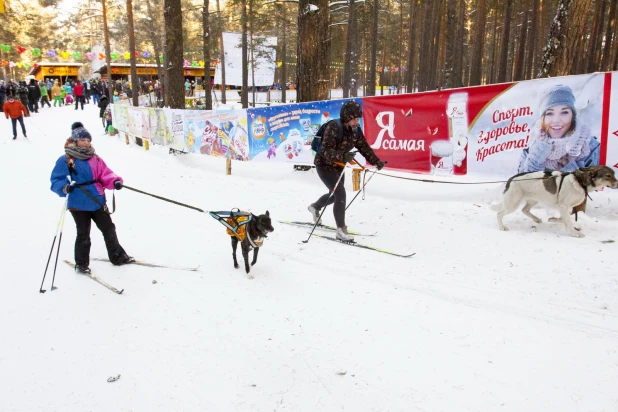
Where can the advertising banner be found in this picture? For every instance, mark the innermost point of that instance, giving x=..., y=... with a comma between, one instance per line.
x=501, y=129
x=548, y=124
x=284, y=133
x=221, y=133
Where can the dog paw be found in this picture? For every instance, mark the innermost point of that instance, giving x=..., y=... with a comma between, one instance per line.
x=253, y=263
x=537, y=220
x=504, y=229
x=250, y=276
x=236, y=265
x=554, y=220
x=578, y=234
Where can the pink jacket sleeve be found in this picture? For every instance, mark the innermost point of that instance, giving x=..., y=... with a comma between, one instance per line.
x=102, y=173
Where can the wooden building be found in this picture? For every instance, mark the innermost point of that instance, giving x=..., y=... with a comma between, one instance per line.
x=148, y=71
x=56, y=71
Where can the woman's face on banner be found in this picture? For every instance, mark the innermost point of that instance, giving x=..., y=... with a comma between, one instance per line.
x=557, y=121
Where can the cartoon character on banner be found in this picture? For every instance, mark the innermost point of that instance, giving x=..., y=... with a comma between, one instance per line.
x=190, y=140
x=272, y=149
x=224, y=142
x=209, y=138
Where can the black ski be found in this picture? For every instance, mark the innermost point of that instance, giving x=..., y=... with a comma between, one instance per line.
x=153, y=265
x=96, y=279
x=388, y=252
x=324, y=227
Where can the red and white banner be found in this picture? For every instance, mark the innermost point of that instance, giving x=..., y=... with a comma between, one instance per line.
x=558, y=123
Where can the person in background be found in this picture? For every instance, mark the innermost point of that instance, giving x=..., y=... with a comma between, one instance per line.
x=78, y=91
x=34, y=94
x=15, y=110
x=57, y=93
x=44, y=99
x=90, y=177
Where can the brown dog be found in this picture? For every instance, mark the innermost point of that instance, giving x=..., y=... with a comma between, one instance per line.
x=554, y=189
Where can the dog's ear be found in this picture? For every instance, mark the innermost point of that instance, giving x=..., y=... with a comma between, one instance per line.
x=584, y=176
x=267, y=213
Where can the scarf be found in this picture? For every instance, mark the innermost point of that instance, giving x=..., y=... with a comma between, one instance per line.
x=574, y=145
x=74, y=152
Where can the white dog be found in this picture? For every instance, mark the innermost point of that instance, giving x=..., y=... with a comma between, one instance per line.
x=554, y=189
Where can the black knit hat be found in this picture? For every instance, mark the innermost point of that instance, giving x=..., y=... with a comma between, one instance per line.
x=350, y=110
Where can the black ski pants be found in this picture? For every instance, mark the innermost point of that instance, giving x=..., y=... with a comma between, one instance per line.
x=78, y=100
x=339, y=197
x=103, y=220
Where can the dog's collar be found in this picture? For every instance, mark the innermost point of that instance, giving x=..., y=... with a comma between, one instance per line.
x=257, y=243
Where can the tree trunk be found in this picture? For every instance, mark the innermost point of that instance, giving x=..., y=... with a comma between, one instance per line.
x=460, y=44
x=222, y=59
x=135, y=87
x=565, y=35
x=451, y=27
x=611, y=21
x=411, y=48
x=312, y=71
x=108, y=59
x=284, y=56
x=521, y=52
x=155, y=44
x=425, y=56
x=244, y=92
x=373, y=59
x=350, y=65
x=595, y=37
x=476, y=69
x=174, y=58
x=504, y=42
x=533, y=40
x=206, y=51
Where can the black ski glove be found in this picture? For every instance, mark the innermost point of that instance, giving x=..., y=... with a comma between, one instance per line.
x=380, y=164
x=66, y=189
x=117, y=185
x=348, y=156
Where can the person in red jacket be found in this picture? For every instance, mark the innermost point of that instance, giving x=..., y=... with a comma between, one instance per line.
x=79, y=94
x=16, y=111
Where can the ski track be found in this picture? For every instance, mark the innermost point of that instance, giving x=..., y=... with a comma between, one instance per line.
x=477, y=320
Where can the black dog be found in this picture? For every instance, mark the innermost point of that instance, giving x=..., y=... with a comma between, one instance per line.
x=254, y=232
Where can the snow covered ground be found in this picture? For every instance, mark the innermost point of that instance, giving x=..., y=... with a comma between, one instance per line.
x=478, y=320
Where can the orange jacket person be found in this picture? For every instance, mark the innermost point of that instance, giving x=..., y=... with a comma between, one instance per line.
x=16, y=111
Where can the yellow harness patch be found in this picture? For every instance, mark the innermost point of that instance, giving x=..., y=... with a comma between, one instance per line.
x=241, y=229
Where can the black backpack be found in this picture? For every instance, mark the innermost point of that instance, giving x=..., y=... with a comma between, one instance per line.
x=316, y=143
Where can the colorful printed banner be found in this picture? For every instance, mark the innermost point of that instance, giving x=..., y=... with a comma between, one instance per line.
x=284, y=133
x=221, y=133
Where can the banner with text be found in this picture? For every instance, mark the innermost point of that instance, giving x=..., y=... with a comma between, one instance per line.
x=284, y=133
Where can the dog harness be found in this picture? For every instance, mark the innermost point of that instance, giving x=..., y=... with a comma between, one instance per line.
x=236, y=224
x=564, y=175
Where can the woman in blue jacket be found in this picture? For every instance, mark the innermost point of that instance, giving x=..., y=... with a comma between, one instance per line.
x=90, y=176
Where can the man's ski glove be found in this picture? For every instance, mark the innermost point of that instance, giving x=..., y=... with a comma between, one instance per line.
x=348, y=156
x=117, y=185
x=66, y=189
x=380, y=164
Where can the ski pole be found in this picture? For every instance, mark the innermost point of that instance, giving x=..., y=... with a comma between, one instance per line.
x=323, y=209
x=58, y=251
x=363, y=188
x=163, y=198
x=51, y=250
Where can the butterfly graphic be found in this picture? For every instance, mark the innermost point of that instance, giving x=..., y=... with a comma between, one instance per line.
x=433, y=133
